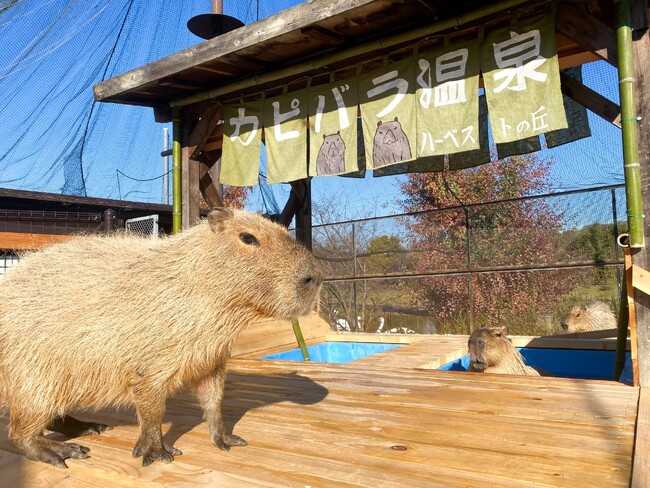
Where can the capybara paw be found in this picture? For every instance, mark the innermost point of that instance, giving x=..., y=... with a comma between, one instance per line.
x=55, y=453
x=154, y=454
x=227, y=441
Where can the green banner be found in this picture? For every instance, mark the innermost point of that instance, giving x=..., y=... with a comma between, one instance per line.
x=522, y=81
x=285, y=137
x=242, y=138
x=333, y=129
x=388, y=116
x=447, y=99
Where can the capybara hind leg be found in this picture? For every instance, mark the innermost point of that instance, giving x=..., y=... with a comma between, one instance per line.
x=51, y=452
x=73, y=427
x=210, y=394
x=150, y=444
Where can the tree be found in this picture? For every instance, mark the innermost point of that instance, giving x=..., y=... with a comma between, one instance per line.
x=235, y=196
x=512, y=233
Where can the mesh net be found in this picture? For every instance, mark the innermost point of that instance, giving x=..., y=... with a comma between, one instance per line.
x=54, y=137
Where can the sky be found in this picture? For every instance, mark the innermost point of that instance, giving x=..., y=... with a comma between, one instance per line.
x=55, y=138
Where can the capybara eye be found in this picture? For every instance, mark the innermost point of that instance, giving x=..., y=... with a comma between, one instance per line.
x=249, y=239
x=481, y=342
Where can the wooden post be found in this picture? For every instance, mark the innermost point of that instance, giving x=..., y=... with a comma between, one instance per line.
x=190, y=176
x=641, y=257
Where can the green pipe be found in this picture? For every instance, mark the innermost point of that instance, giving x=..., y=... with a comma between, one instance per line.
x=621, y=337
x=177, y=214
x=300, y=339
x=629, y=121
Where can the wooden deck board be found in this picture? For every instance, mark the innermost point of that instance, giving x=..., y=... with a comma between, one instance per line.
x=336, y=425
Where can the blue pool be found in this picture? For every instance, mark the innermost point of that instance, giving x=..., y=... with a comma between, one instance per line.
x=565, y=363
x=335, y=352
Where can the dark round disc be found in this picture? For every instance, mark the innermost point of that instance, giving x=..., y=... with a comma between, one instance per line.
x=208, y=26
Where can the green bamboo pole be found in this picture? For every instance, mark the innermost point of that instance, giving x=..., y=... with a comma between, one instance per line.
x=629, y=121
x=300, y=339
x=177, y=213
x=357, y=50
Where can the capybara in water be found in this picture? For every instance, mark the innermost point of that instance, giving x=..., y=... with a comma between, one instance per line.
x=594, y=315
x=490, y=351
x=114, y=321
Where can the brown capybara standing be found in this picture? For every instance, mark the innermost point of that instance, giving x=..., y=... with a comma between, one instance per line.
x=490, y=351
x=594, y=315
x=114, y=321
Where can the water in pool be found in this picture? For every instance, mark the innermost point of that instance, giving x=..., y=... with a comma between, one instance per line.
x=334, y=352
x=565, y=363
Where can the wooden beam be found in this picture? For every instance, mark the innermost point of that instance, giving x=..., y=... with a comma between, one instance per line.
x=641, y=257
x=576, y=23
x=641, y=464
x=18, y=241
x=209, y=171
x=594, y=101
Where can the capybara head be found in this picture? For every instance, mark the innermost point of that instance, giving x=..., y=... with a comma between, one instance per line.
x=273, y=273
x=487, y=346
x=594, y=315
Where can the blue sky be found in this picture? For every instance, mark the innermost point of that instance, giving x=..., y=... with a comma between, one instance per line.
x=54, y=138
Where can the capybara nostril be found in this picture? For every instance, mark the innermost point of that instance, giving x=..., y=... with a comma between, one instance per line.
x=311, y=281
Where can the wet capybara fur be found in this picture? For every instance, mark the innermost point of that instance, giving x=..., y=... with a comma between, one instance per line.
x=116, y=321
x=594, y=315
x=490, y=351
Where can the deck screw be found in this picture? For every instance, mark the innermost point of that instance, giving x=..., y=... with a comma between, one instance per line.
x=399, y=448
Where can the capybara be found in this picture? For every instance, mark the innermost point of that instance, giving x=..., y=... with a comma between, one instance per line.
x=490, y=351
x=594, y=315
x=114, y=321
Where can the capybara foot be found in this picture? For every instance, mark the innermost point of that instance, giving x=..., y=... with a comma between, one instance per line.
x=54, y=452
x=227, y=441
x=151, y=453
x=73, y=427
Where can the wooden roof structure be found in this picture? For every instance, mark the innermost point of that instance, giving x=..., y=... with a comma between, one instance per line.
x=320, y=37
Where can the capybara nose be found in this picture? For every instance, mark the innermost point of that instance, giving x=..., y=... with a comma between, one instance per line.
x=312, y=281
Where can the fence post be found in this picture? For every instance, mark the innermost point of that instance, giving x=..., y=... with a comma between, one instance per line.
x=468, y=249
x=354, y=281
x=619, y=278
x=109, y=220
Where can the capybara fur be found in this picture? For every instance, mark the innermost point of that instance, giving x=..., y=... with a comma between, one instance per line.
x=594, y=315
x=490, y=351
x=116, y=321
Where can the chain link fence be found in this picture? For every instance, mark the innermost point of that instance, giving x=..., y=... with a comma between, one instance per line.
x=522, y=263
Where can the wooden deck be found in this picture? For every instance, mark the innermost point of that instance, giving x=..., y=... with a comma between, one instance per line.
x=376, y=422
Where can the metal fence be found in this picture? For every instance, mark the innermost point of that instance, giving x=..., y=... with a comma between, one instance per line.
x=7, y=260
x=521, y=262
x=145, y=226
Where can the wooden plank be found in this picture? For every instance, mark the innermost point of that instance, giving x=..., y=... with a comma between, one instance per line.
x=24, y=241
x=210, y=187
x=234, y=42
x=592, y=100
x=641, y=464
x=641, y=279
x=641, y=257
x=576, y=23
x=270, y=336
x=358, y=425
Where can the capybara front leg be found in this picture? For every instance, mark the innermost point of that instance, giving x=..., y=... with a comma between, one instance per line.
x=73, y=427
x=150, y=444
x=26, y=433
x=210, y=394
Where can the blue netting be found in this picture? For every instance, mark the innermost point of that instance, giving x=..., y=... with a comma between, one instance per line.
x=53, y=136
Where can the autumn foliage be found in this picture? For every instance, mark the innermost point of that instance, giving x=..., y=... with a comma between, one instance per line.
x=502, y=233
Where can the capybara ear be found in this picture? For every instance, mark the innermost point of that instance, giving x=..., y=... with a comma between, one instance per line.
x=218, y=216
x=503, y=331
